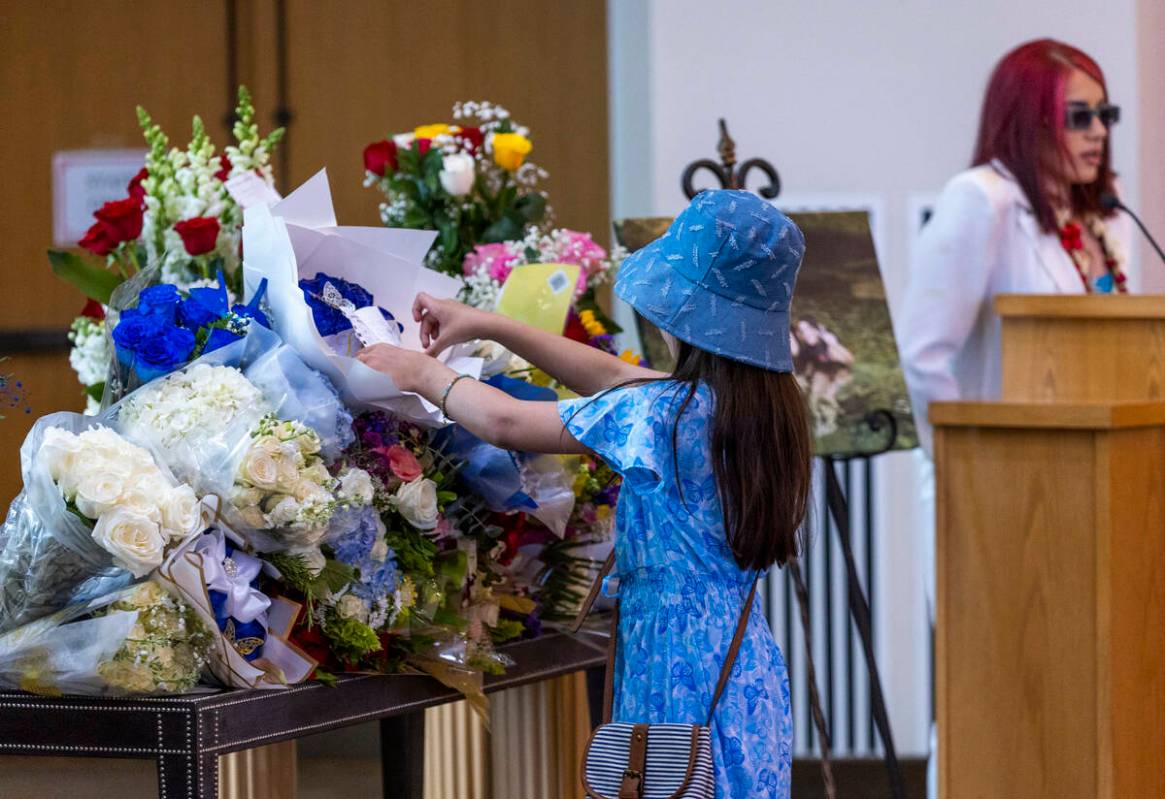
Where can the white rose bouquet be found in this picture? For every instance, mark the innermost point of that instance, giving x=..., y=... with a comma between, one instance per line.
x=139, y=640
x=283, y=491
x=96, y=512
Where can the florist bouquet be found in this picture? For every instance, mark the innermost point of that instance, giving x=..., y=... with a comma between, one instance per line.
x=180, y=219
x=471, y=181
x=96, y=512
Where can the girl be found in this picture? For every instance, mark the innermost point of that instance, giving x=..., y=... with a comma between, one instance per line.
x=715, y=460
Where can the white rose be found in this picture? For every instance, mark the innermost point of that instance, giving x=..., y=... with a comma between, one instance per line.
x=306, y=491
x=181, y=512
x=379, y=551
x=247, y=496
x=312, y=558
x=145, y=494
x=260, y=468
x=57, y=451
x=404, y=140
x=98, y=493
x=309, y=443
x=135, y=541
x=285, y=512
x=457, y=174
x=356, y=486
x=351, y=606
x=417, y=502
x=288, y=475
x=253, y=517
x=317, y=473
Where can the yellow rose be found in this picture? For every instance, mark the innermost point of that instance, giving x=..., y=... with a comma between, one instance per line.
x=435, y=130
x=510, y=150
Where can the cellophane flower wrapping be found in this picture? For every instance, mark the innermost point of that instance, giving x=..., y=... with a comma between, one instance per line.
x=138, y=640
x=83, y=533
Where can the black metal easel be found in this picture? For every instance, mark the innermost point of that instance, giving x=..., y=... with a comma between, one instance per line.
x=730, y=176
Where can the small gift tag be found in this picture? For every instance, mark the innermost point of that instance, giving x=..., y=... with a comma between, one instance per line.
x=249, y=189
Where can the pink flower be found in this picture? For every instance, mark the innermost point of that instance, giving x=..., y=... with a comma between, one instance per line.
x=575, y=247
x=497, y=260
x=403, y=463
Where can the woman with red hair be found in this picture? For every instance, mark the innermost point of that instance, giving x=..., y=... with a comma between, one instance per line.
x=1026, y=218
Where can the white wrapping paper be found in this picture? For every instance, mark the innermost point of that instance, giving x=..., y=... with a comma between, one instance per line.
x=297, y=238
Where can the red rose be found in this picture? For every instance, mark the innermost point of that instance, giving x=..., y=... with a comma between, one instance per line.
x=575, y=330
x=224, y=171
x=99, y=239
x=403, y=463
x=472, y=138
x=423, y=145
x=380, y=157
x=93, y=310
x=123, y=218
x=136, y=191
x=199, y=235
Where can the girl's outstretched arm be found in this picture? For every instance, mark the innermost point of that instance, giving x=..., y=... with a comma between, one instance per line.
x=488, y=413
x=581, y=368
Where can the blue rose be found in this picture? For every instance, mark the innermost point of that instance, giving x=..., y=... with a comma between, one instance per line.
x=219, y=337
x=328, y=320
x=164, y=349
x=160, y=300
x=132, y=328
x=203, y=306
x=251, y=310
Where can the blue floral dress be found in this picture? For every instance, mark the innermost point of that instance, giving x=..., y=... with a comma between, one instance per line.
x=681, y=591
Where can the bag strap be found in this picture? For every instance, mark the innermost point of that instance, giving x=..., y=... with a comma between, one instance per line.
x=733, y=649
x=583, y=612
x=609, y=677
x=593, y=594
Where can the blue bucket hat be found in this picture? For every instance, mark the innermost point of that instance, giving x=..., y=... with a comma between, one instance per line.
x=721, y=278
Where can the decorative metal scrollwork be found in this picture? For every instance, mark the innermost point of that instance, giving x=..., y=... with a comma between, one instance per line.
x=727, y=173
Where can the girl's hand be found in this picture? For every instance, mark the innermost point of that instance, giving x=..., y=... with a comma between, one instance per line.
x=445, y=323
x=407, y=368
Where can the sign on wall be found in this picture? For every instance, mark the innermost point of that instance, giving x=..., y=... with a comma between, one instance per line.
x=82, y=181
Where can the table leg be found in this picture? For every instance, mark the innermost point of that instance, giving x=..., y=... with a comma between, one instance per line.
x=188, y=776
x=402, y=755
x=596, y=676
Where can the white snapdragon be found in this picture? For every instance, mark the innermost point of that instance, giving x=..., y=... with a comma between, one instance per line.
x=91, y=353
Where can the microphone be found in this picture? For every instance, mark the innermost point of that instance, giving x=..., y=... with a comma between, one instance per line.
x=1110, y=202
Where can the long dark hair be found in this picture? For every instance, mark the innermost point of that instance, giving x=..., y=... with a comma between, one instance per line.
x=1023, y=120
x=761, y=452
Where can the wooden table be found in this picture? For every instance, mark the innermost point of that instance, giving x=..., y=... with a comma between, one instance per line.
x=186, y=734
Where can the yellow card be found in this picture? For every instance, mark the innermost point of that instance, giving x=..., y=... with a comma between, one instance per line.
x=539, y=295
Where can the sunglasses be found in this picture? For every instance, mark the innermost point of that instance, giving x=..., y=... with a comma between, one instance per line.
x=1079, y=116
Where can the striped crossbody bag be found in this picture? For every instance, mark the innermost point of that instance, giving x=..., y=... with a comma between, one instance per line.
x=651, y=761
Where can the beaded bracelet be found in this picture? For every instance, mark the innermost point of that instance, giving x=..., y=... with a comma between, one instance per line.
x=448, y=388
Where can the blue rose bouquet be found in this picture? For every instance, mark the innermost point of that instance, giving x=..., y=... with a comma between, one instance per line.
x=330, y=321
x=169, y=327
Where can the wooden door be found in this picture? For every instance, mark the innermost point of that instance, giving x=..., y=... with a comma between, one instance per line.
x=71, y=74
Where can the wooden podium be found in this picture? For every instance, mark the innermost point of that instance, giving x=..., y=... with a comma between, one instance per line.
x=1050, y=639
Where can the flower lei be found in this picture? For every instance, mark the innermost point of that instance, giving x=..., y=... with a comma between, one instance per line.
x=1072, y=240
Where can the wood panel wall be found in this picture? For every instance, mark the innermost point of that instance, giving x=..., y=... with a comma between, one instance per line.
x=343, y=74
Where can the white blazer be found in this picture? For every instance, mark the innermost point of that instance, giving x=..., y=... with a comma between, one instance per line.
x=982, y=239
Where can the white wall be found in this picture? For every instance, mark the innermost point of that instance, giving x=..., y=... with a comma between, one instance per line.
x=876, y=98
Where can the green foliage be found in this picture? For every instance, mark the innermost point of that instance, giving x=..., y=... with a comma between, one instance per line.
x=414, y=552
x=95, y=282
x=506, y=630
x=351, y=639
